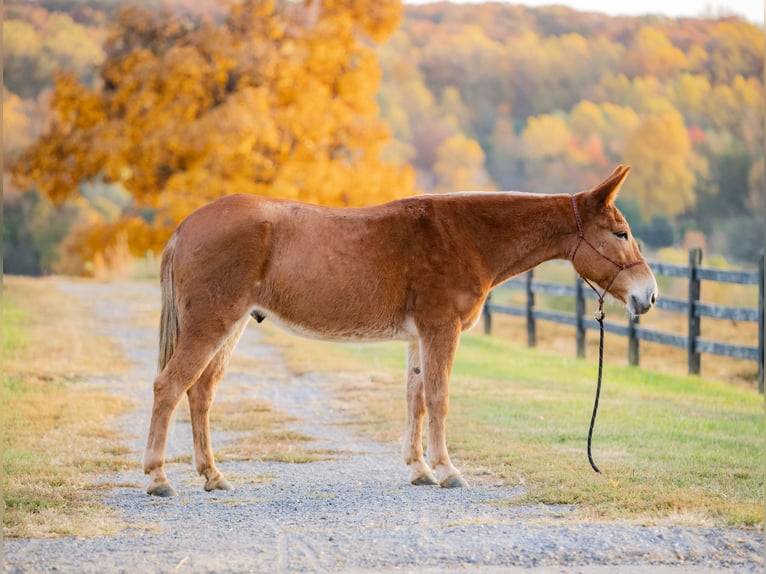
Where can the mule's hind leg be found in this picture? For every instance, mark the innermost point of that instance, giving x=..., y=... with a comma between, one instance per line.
x=191, y=357
x=412, y=447
x=201, y=396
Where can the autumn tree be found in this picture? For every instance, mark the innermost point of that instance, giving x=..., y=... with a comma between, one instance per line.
x=690, y=94
x=278, y=99
x=282, y=97
x=504, y=157
x=734, y=50
x=459, y=166
x=651, y=53
x=32, y=52
x=663, y=181
x=16, y=124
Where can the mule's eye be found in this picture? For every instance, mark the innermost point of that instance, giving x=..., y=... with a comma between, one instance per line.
x=622, y=235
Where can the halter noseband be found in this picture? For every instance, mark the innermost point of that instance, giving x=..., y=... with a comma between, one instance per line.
x=620, y=266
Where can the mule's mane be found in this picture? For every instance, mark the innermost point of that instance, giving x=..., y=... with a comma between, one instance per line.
x=510, y=193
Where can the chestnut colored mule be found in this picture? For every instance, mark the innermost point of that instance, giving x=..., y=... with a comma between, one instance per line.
x=417, y=269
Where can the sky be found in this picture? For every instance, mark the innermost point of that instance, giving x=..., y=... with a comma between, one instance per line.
x=750, y=9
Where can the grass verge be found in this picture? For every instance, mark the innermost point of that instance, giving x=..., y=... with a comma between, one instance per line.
x=57, y=436
x=265, y=433
x=675, y=450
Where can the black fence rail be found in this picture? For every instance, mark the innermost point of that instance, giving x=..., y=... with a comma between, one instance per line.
x=692, y=307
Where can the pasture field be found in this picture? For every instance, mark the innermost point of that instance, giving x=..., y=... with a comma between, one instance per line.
x=673, y=449
x=57, y=429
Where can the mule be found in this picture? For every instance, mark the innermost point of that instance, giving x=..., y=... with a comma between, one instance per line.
x=416, y=269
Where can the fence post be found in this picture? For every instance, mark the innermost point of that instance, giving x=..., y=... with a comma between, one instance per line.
x=632, y=341
x=695, y=260
x=531, y=325
x=580, y=317
x=487, y=312
x=761, y=325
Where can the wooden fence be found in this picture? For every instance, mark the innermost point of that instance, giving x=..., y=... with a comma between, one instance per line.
x=692, y=307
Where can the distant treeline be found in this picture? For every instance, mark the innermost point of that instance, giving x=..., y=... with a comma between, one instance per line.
x=496, y=96
x=479, y=96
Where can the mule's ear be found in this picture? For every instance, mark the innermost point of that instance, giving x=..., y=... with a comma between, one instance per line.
x=606, y=191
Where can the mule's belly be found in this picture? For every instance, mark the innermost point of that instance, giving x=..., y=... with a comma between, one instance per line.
x=361, y=332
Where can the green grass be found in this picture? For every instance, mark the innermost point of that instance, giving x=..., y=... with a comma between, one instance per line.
x=14, y=337
x=668, y=445
x=57, y=435
x=682, y=450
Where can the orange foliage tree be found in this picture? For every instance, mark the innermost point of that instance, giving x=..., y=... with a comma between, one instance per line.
x=278, y=99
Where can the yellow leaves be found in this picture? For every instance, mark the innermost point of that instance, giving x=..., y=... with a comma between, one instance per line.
x=103, y=247
x=75, y=48
x=722, y=107
x=665, y=182
x=75, y=107
x=586, y=118
x=652, y=53
x=255, y=19
x=546, y=135
x=460, y=166
x=65, y=155
x=47, y=41
x=16, y=124
x=377, y=19
x=357, y=84
x=20, y=39
x=690, y=93
x=275, y=101
x=735, y=48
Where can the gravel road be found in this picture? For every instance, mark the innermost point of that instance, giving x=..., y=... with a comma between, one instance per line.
x=353, y=513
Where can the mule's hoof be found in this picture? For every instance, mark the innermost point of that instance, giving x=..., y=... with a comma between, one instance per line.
x=424, y=480
x=454, y=481
x=218, y=484
x=162, y=489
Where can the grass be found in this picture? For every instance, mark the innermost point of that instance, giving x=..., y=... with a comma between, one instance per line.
x=265, y=434
x=674, y=449
x=57, y=430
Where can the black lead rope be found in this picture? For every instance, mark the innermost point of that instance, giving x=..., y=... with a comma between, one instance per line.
x=599, y=314
x=600, y=319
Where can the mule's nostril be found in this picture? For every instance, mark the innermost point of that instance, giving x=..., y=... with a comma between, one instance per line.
x=653, y=298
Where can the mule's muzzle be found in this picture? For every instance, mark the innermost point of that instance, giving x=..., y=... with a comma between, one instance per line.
x=640, y=303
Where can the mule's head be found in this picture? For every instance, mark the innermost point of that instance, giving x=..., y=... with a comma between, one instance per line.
x=605, y=251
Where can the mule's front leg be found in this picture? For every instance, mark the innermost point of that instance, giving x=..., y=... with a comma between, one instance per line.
x=438, y=351
x=412, y=447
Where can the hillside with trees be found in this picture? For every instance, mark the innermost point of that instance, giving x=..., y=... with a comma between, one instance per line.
x=120, y=120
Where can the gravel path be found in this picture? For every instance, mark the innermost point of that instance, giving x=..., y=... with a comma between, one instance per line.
x=354, y=513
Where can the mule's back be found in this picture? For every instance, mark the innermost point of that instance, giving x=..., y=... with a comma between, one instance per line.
x=323, y=272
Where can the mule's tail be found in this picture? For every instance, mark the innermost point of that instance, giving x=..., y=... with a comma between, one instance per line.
x=169, y=316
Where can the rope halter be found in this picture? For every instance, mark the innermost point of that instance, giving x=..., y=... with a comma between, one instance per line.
x=620, y=266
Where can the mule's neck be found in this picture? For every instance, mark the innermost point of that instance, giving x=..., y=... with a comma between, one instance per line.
x=516, y=232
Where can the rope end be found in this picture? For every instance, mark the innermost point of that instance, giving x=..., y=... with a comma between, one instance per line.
x=599, y=315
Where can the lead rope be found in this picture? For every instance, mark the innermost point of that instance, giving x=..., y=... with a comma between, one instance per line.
x=599, y=316
x=600, y=319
